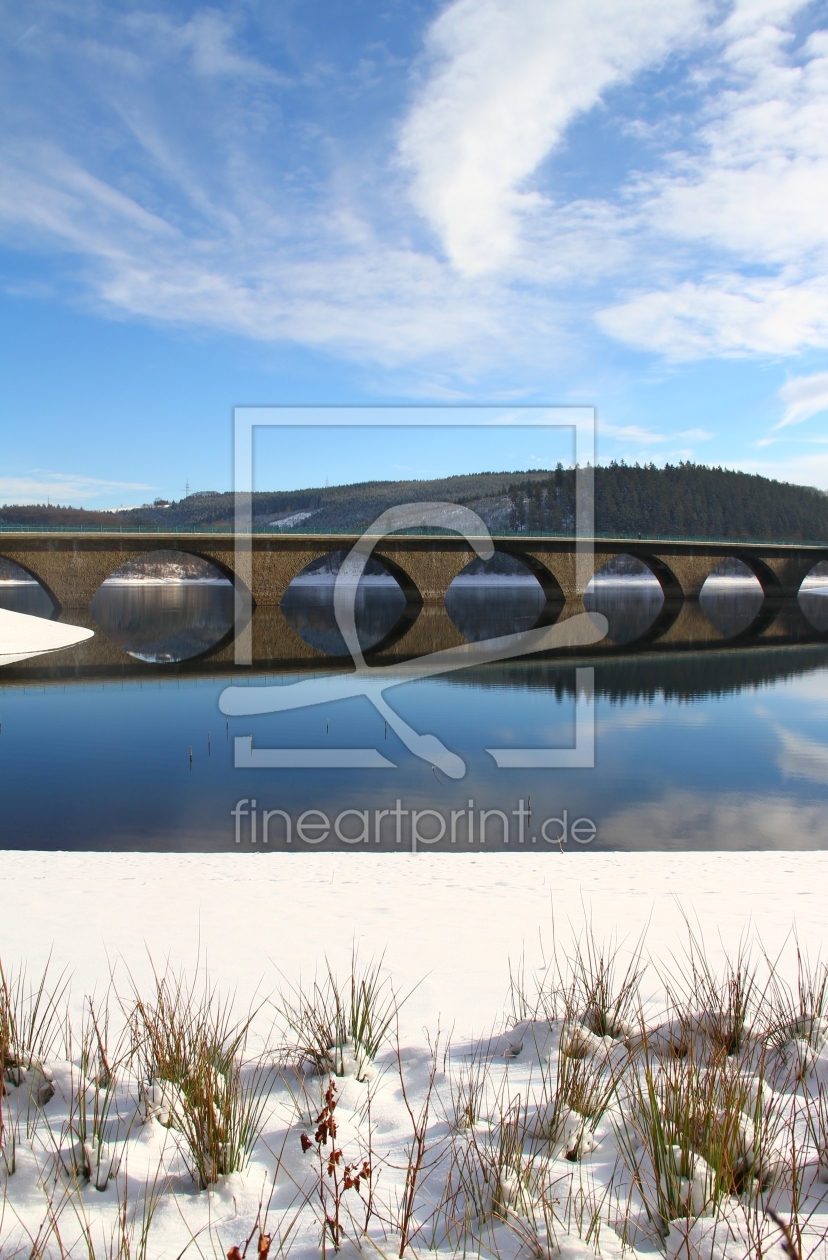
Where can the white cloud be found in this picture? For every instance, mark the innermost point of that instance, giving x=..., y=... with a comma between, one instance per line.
x=805, y=396
x=729, y=316
x=171, y=198
x=691, y=821
x=252, y=277
x=39, y=486
x=806, y=469
x=208, y=35
x=759, y=183
x=754, y=191
x=508, y=77
x=635, y=433
x=801, y=757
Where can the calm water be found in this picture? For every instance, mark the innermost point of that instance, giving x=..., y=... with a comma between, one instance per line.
x=165, y=623
x=721, y=747
x=308, y=608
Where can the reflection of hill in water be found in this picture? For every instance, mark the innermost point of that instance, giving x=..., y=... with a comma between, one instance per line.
x=645, y=675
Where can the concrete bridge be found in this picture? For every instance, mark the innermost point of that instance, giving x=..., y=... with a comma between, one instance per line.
x=72, y=566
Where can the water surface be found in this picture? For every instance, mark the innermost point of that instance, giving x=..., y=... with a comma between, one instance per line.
x=721, y=747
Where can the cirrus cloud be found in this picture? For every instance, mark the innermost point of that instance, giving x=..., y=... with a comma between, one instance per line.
x=506, y=81
x=804, y=396
x=40, y=485
x=151, y=160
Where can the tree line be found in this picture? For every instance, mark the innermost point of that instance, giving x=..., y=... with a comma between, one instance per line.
x=684, y=500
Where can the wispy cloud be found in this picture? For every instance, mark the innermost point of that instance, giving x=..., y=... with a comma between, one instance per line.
x=801, y=757
x=752, y=194
x=635, y=433
x=155, y=158
x=40, y=485
x=728, y=316
x=804, y=396
x=504, y=82
x=632, y=431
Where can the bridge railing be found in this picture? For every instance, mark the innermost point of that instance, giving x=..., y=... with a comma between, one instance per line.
x=350, y=532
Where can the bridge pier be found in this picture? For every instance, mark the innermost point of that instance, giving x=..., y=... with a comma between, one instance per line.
x=70, y=574
x=430, y=571
x=779, y=575
x=681, y=576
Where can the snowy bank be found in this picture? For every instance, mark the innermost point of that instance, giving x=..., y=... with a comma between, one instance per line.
x=22, y=636
x=564, y=1117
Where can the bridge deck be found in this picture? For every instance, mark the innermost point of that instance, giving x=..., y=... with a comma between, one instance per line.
x=342, y=538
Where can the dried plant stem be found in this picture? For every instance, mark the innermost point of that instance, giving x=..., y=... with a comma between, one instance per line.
x=418, y=1146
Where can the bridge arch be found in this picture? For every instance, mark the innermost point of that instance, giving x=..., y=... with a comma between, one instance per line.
x=507, y=594
x=671, y=586
x=196, y=551
x=626, y=589
x=72, y=569
x=768, y=580
x=11, y=571
x=401, y=576
x=735, y=601
x=549, y=584
x=307, y=605
x=166, y=606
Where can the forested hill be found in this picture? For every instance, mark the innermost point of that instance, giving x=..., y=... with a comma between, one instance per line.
x=687, y=500
x=690, y=500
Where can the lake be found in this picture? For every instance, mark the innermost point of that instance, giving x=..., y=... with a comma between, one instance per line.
x=720, y=746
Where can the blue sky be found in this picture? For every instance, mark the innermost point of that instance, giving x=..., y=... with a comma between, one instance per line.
x=619, y=203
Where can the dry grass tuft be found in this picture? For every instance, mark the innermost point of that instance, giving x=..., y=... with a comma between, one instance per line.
x=340, y=1027
x=188, y=1050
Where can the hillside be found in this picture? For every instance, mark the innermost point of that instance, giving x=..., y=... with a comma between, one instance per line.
x=687, y=500
x=43, y=514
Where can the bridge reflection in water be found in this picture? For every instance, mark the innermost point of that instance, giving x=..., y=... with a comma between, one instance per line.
x=140, y=757
x=156, y=630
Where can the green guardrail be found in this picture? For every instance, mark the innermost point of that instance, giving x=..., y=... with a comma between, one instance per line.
x=275, y=532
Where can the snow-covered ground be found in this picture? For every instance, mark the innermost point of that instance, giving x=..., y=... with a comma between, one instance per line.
x=140, y=582
x=452, y=929
x=23, y=636
x=295, y=518
x=455, y=919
